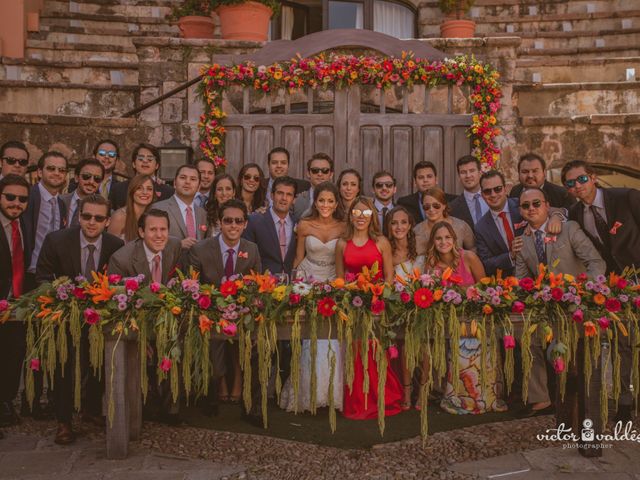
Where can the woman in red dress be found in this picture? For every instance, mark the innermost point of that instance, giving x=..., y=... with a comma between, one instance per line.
x=364, y=246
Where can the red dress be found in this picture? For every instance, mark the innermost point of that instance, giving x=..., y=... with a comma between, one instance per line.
x=354, y=400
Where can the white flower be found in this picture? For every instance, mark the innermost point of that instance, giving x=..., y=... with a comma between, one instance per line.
x=301, y=288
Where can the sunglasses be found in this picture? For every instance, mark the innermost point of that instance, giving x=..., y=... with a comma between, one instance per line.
x=12, y=196
x=104, y=153
x=429, y=206
x=582, y=179
x=52, y=168
x=488, y=191
x=98, y=218
x=87, y=176
x=23, y=162
x=384, y=185
x=361, y=213
x=528, y=205
x=317, y=170
x=232, y=220
x=248, y=176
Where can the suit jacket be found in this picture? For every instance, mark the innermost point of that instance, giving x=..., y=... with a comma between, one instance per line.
x=6, y=272
x=558, y=196
x=131, y=260
x=32, y=213
x=572, y=252
x=302, y=205
x=460, y=209
x=66, y=199
x=61, y=257
x=412, y=204
x=622, y=206
x=492, y=249
x=206, y=257
x=262, y=231
x=177, y=227
x=118, y=193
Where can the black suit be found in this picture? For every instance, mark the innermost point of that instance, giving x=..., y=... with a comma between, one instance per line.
x=61, y=256
x=118, y=193
x=261, y=230
x=460, y=209
x=558, y=196
x=412, y=204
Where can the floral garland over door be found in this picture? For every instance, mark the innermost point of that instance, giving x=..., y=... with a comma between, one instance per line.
x=341, y=71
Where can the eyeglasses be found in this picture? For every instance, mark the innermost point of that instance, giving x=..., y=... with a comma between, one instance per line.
x=53, y=168
x=582, y=179
x=104, y=153
x=488, y=191
x=429, y=206
x=12, y=196
x=534, y=204
x=248, y=176
x=98, y=218
x=317, y=170
x=232, y=220
x=361, y=213
x=23, y=162
x=87, y=176
x=384, y=184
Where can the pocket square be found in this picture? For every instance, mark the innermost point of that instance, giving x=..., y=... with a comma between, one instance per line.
x=522, y=224
x=243, y=254
x=615, y=228
x=550, y=239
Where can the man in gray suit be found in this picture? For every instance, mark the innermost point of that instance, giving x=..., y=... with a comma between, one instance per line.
x=570, y=252
x=188, y=222
x=319, y=169
x=89, y=174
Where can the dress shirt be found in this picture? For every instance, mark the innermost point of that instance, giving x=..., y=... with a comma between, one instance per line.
x=224, y=247
x=43, y=222
x=471, y=203
x=198, y=199
x=73, y=204
x=379, y=206
x=542, y=228
x=84, y=251
x=183, y=211
x=498, y=222
x=150, y=256
x=288, y=225
x=589, y=221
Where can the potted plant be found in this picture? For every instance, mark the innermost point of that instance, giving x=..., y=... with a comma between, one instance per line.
x=245, y=20
x=454, y=25
x=194, y=18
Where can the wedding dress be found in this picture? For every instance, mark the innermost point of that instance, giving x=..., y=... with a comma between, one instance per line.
x=318, y=265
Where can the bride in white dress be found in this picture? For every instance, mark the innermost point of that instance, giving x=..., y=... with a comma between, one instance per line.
x=317, y=236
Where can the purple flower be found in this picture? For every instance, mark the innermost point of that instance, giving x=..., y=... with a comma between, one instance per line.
x=326, y=287
x=172, y=282
x=357, y=301
x=601, y=279
x=623, y=298
x=122, y=306
x=605, y=290
x=398, y=287
x=589, y=285
x=195, y=296
x=139, y=303
x=79, y=279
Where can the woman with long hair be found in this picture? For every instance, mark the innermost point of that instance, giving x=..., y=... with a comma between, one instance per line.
x=223, y=188
x=124, y=221
x=317, y=236
x=434, y=202
x=350, y=185
x=251, y=187
x=466, y=270
x=364, y=246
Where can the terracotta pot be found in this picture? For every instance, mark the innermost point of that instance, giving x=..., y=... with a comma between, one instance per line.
x=194, y=26
x=244, y=21
x=457, y=28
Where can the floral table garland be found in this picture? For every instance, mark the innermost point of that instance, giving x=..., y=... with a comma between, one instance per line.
x=179, y=318
x=340, y=71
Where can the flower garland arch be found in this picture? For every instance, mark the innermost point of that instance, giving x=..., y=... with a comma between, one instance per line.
x=341, y=71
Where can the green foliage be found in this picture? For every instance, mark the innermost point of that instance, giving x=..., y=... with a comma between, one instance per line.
x=206, y=7
x=457, y=7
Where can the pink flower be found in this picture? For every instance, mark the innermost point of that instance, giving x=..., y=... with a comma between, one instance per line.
x=393, y=352
x=578, y=316
x=294, y=298
x=405, y=297
x=349, y=277
x=165, y=364
x=558, y=365
x=34, y=364
x=613, y=305
x=131, y=284
x=621, y=283
x=509, y=342
x=377, y=306
x=4, y=305
x=517, y=307
x=230, y=329
x=472, y=293
x=91, y=316
x=526, y=284
x=154, y=287
x=604, y=323
x=114, y=278
x=204, y=301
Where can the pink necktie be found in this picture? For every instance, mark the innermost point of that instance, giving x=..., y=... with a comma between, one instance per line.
x=191, y=226
x=282, y=238
x=156, y=272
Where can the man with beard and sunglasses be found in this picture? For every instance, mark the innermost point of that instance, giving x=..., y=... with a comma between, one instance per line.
x=107, y=153
x=384, y=188
x=320, y=168
x=15, y=159
x=14, y=258
x=69, y=253
x=89, y=174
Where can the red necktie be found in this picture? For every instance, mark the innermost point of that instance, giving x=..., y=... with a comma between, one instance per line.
x=156, y=272
x=190, y=223
x=507, y=228
x=228, y=265
x=17, y=259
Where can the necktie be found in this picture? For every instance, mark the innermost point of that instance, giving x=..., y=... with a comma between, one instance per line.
x=477, y=208
x=540, y=251
x=203, y=200
x=90, y=266
x=282, y=238
x=228, y=265
x=384, y=214
x=156, y=270
x=601, y=226
x=53, y=210
x=17, y=259
x=507, y=228
x=191, y=224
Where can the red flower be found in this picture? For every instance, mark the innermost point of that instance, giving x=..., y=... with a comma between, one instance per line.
x=228, y=288
x=517, y=307
x=154, y=287
x=405, y=297
x=613, y=305
x=115, y=278
x=578, y=316
x=604, y=323
x=294, y=298
x=556, y=294
x=34, y=364
x=622, y=283
x=582, y=277
x=4, y=305
x=509, y=342
x=131, y=284
x=165, y=364
x=326, y=306
x=526, y=284
x=91, y=316
x=423, y=298
x=558, y=365
x=377, y=306
x=204, y=301
x=393, y=352
x=79, y=293
x=230, y=329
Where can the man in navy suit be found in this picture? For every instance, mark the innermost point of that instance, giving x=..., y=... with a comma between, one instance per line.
x=531, y=173
x=470, y=206
x=425, y=176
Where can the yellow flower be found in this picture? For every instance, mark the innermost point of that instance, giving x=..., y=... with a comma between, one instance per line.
x=277, y=74
x=492, y=120
x=242, y=299
x=279, y=293
x=215, y=140
x=478, y=69
x=354, y=75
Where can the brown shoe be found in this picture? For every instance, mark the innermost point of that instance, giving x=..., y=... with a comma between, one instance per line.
x=64, y=435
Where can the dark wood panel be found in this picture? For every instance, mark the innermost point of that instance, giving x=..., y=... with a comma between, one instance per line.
x=261, y=142
x=401, y=155
x=324, y=141
x=293, y=140
x=234, y=149
x=372, y=158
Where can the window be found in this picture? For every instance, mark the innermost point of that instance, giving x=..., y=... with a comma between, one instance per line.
x=345, y=14
x=393, y=19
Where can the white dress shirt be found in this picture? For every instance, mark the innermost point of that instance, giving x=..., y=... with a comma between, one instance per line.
x=288, y=225
x=150, y=256
x=224, y=249
x=379, y=206
x=498, y=222
x=43, y=223
x=471, y=203
x=183, y=211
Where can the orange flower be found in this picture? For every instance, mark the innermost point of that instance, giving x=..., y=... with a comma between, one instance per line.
x=487, y=310
x=590, y=329
x=205, y=323
x=100, y=290
x=260, y=318
x=44, y=300
x=447, y=274
x=556, y=280
x=599, y=299
x=437, y=295
x=485, y=280
x=377, y=290
x=176, y=310
x=338, y=283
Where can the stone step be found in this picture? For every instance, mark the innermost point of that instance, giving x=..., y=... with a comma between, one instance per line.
x=151, y=8
x=572, y=69
x=570, y=99
x=587, y=53
x=595, y=39
x=64, y=52
x=26, y=97
x=81, y=38
x=108, y=25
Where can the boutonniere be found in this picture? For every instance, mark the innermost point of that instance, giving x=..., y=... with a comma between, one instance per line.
x=242, y=254
x=615, y=228
x=158, y=194
x=203, y=228
x=550, y=239
x=522, y=224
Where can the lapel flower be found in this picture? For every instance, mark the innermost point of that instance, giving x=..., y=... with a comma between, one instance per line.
x=158, y=194
x=520, y=225
x=550, y=239
x=615, y=228
x=242, y=254
x=203, y=228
